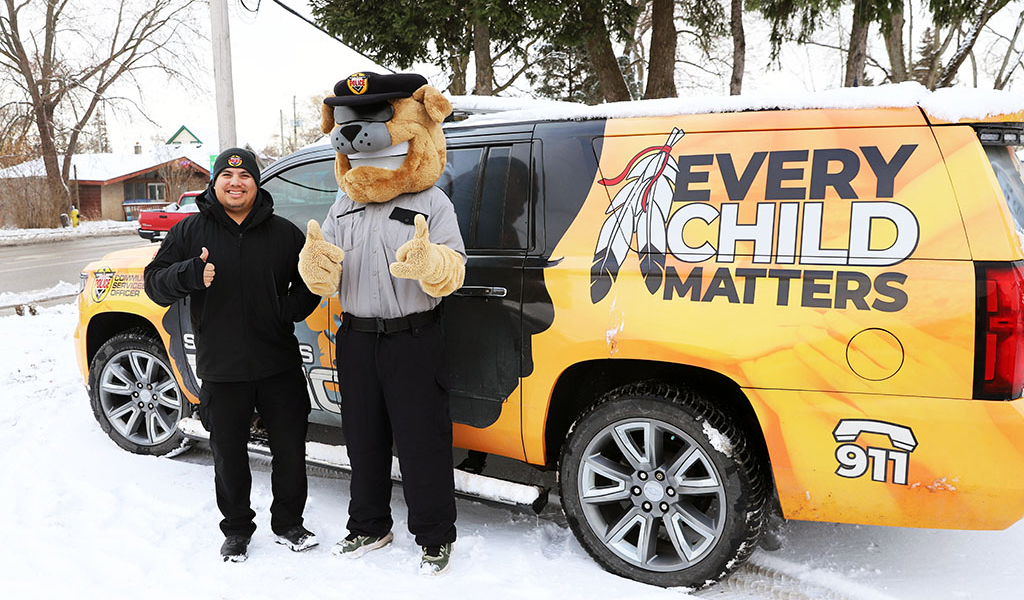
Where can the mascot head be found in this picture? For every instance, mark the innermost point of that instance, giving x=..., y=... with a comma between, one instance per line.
x=387, y=132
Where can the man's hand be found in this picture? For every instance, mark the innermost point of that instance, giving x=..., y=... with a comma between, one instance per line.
x=320, y=262
x=208, y=270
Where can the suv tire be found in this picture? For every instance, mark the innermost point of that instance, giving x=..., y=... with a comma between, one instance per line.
x=134, y=395
x=659, y=486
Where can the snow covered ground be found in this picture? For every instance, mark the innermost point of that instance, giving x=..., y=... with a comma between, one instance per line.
x=80, y=518
x=10, y=236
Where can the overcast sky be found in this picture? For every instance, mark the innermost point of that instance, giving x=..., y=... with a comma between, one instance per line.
x=276, y=56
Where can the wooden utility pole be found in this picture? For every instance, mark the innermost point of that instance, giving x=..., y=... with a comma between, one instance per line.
x=225, y=91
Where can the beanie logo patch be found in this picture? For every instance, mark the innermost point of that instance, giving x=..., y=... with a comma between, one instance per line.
x=357, y=84
x=234, y=160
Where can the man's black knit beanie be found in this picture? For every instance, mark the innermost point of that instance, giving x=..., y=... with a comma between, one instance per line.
x=236, y=158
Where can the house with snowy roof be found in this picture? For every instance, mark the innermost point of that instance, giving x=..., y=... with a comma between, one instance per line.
x=117, y=186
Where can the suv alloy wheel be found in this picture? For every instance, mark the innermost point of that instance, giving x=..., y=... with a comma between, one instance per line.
x=658, y=486
x=134, y=395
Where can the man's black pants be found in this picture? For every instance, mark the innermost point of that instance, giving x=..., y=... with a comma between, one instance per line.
x=226, y=410
x=391, y=392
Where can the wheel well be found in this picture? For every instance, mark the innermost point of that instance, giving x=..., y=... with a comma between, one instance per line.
x=583, y=383
x=106, y=325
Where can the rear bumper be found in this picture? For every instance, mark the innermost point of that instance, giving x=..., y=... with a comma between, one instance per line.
x=895, y=460
x=153, y=236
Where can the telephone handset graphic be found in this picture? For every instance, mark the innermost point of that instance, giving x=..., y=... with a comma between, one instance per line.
x=855, y=461
x=848, y=430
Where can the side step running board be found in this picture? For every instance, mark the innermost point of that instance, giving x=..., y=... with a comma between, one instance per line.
x=466, y=484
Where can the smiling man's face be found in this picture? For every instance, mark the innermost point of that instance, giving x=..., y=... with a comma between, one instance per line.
x=236, y=191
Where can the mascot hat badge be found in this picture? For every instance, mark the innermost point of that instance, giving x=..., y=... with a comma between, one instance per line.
x=386, y=130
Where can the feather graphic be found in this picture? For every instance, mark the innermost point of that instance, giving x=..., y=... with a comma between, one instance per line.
x=611, y=250
x=642, y=205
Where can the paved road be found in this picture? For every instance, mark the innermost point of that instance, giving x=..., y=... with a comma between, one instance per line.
x=42, y=265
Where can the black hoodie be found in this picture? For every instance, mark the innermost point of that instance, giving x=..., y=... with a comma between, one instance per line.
x=243, y=322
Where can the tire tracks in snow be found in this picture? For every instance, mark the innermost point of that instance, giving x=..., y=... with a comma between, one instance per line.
x=765, y=577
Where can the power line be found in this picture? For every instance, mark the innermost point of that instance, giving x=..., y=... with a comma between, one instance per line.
x=299, y=15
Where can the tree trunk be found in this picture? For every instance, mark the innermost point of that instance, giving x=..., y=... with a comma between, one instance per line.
x=739, y=48
x=601, y=55
x=661, y=80
x=458, y=64
x=858, y=52
x=894, y=46
x=482, y=58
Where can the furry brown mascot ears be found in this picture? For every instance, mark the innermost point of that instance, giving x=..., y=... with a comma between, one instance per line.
x=416, y=120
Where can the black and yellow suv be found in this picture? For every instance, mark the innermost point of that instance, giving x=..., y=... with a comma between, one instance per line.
x=694, y=318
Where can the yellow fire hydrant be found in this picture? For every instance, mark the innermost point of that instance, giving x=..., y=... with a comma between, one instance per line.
x=74, y=217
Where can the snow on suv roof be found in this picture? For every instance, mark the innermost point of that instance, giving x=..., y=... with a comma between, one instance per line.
x=947, y=104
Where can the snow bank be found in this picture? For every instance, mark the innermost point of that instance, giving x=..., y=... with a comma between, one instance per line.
x=60, y=290
x=10, y=236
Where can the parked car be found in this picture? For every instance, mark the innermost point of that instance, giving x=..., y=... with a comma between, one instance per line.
x=154, y=224
x=696, y=319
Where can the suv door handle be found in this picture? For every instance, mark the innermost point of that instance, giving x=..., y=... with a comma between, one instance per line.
x=481, y=291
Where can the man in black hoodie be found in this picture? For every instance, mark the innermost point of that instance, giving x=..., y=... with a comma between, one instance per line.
x=237, y=262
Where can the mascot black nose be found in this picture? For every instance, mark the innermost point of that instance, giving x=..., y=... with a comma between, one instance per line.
x=351, y=131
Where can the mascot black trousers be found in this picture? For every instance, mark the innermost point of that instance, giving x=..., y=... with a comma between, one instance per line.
x=226, y=410
x=392, y=392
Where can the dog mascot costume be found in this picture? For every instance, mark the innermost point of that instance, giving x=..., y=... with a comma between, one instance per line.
x=391, y=247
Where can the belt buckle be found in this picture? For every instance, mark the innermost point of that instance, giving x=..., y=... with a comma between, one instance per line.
x=379, y=322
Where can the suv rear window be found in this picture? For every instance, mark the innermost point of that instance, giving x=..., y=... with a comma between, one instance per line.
x=1010, y=175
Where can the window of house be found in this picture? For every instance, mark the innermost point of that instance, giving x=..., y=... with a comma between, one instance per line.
x=156, y=192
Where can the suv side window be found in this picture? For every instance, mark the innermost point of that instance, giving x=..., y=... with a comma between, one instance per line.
x=490, y=190
x=304, y=192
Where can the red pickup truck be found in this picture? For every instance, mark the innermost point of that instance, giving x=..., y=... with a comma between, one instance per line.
x=154, y=224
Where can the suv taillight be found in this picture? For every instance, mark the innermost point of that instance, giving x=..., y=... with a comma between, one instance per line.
x=999, y=331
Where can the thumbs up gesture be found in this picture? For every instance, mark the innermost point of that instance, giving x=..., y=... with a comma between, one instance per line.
x=417, y=258
x=320, y=262
x=208, y=269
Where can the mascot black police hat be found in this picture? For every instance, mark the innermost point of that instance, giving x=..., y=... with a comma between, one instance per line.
x=368, y=88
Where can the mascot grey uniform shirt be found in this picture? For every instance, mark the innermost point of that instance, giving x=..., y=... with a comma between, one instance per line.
x=370, y=234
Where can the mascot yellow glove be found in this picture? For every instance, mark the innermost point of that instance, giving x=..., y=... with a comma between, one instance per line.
x=438, y=268
x=320, y=262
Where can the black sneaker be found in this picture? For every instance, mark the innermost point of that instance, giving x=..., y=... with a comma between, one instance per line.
x=234, y=547
x=298, y=538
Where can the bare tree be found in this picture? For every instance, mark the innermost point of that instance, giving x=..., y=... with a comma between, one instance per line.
x=975, y=23
x=66, y=64
x=179, y=175
x=1012, y=59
